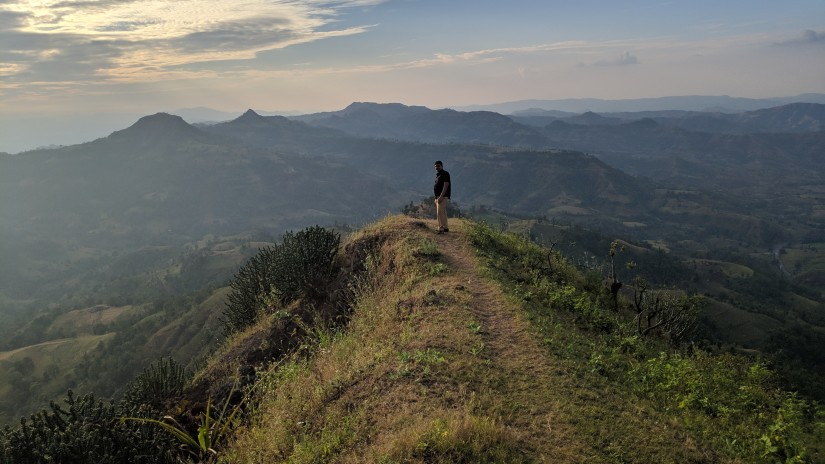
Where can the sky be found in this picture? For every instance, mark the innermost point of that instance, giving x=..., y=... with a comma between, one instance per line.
x=63, y=62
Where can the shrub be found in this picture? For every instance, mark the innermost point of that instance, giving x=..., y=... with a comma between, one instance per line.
x=159, y=382
x=569, y=298
x=300, y=267
x=85, y=431
x=304, y=263
x=250, y=286
x=729, y=401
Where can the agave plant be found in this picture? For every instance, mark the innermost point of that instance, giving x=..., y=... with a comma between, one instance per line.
x=211, y=431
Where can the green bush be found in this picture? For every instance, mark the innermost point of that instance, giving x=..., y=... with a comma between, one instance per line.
x=161, y=381
x=517, y=258
x=84, y=431
x=569, y=298
x=730, y=401
x=301, y=266
x=305, y=263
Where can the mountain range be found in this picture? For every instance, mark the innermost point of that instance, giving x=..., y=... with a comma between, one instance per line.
x=415, y=122
x=731, y=205
x=703, y=103
x=21, y=131
x=165, y=177
x=758, y=157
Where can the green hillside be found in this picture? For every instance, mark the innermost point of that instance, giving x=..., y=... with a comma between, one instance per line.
x=752, y=306
x=36, y=374
x=473, y=346
x=170, y=302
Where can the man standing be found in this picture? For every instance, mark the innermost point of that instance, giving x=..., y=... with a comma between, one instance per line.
x=441, y=190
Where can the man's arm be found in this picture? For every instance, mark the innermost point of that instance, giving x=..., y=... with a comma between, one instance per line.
x=443, y=192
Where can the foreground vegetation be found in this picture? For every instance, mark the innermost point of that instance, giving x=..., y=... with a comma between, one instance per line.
x=419, y=350
x=729, y=402
x=750, y=304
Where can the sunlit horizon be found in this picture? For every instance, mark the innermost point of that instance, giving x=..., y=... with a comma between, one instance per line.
x=70, y=59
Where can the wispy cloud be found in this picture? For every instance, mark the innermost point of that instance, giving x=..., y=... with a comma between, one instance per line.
x=479, y=56
x=437, y=60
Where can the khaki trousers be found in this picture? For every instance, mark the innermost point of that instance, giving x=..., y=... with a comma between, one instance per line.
x=441, y=213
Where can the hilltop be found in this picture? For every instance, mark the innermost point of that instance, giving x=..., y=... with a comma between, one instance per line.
x=476, y=346
x=440, y=353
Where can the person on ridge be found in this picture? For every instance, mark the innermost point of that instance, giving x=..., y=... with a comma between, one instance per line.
x=441, y=191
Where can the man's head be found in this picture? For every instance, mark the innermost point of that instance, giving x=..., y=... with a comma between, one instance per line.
x=439, y=165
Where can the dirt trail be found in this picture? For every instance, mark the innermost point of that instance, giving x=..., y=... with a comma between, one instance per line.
x=511, y=337
x=536, y=381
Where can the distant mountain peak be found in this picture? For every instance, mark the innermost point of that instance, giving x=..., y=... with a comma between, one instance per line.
x=159, y=126
x=252, y=120
x=590, y=116
x=362, y=105
x=250, y=115
x=159, y=119
x=793, y=117
x=385, y=109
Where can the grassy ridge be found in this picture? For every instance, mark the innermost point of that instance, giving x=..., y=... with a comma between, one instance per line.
x=414, y=378
x=441, y=364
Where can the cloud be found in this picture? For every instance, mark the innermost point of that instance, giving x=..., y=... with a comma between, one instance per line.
x=137, y=40
x=624, y=60
x=474, y=57
x=11, y=19
x=250, y=34
x=73, y=58
x=487, y=55
x=124, y=26
x=808, y=37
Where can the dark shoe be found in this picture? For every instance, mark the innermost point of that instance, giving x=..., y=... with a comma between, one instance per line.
x=440, y=232
x=446, y=230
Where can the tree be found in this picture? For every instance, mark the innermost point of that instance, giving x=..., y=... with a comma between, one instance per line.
x=674, y=313
x=615, y=283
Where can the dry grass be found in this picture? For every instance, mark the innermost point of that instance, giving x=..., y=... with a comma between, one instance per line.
x=438, y=364
x=435, y=366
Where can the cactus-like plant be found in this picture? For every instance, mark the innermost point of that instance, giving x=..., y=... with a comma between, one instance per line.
x=159, y=382
x=301, y=266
